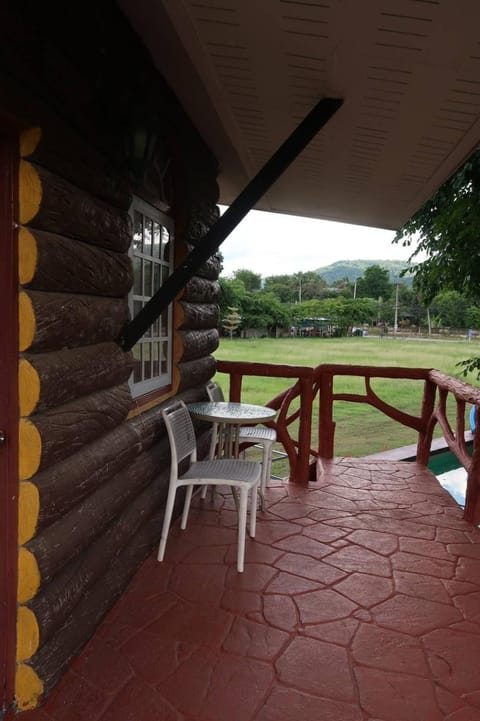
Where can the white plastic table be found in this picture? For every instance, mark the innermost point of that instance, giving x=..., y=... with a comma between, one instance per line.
x=230, y=417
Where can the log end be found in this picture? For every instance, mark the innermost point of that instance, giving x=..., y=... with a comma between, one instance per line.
x=28, y=510
x=26, y=321
x=29, y=141
x=30, y=449
x=28, y=633
x=30, y=192
x=28, y=575
x=28, y=387
x=28, y=687
x=27, y=256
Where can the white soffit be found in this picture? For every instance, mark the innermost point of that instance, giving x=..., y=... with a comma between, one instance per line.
x=248, y=71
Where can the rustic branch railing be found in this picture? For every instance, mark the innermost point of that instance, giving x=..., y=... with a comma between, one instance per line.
x=296, y=403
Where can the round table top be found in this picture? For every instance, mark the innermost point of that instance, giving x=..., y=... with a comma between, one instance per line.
x=226, y=412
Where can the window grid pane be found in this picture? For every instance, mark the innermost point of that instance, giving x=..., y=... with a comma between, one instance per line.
x=152, y=260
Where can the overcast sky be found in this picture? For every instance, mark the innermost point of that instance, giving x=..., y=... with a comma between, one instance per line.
x=274, y=244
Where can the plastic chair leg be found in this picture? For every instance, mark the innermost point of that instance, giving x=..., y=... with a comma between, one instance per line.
x=253, y=513
x=242, y=524
x=266, y=471
x=166, y=522
x=186, y=507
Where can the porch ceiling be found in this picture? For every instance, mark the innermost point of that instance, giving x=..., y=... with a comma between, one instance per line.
x=247, y=72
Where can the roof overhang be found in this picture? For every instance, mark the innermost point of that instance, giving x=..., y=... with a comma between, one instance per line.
x=247, y=72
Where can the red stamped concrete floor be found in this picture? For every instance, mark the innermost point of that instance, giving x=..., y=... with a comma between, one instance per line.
x=360, y=601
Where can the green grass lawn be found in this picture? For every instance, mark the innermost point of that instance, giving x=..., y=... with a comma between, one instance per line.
x=360, y=429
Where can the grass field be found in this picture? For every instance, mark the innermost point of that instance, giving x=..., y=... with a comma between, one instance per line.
x=360, y=429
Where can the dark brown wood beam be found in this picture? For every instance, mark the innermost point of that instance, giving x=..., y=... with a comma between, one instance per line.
x=249, y=196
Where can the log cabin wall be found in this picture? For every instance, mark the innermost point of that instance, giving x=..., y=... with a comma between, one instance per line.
x=94, y=464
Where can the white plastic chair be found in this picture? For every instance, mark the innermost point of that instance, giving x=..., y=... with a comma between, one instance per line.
x=243, y=475
x=260, y=435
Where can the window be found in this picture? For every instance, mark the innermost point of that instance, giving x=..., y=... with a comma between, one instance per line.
x=152, y=256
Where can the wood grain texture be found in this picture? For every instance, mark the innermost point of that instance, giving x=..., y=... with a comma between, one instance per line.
x=57, y=600
x=201, y=290
x=63, y=320
x=69, y=481
x=66, y=375
x=59, y=148
x=197, y=343
x=194, y=373
x=53, y=263
x=67, y=428
x=64, y=540
x=69, y=211
x=55, y=655
x=197, y=316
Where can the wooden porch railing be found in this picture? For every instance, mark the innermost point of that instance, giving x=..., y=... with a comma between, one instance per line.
x=296, y=403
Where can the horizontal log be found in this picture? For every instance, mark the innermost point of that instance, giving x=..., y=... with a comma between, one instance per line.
x=62, y=151
x=197, y=372
x=211, y=269
x=57, y=599
x=461, y=390
x=196, y=316
x=54, y=657
x=197, y=343
x=47, y=202
x=68, y=482
x=51, y=321
x=47, y=380
x=62, y=541
x=201, y=290
x=53, y=263
x=66, y=429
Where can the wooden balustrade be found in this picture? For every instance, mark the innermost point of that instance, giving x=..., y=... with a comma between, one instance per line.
x=312, y=382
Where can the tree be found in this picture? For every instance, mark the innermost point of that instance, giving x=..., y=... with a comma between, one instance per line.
x=251, y=281
x=448, y=309
x=374, y=284
x=285, y=287
x=447, y=229
x=232, y=320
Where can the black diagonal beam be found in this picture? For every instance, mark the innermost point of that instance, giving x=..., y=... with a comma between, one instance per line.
x=249, y=196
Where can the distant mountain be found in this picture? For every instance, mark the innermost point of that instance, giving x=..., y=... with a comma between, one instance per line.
x=352, y=269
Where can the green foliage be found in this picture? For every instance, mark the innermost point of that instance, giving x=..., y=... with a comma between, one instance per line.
x=447, y=229
x=342, y=312
x=448, y=309
x=251, y=281
x=374, y=284
x=352, y=269
x=232, y=320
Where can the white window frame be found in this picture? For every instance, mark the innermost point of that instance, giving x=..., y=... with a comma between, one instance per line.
x=154, y=350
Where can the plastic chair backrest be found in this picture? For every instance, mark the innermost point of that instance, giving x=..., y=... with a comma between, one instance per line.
x=181, y=433
x=214, y=392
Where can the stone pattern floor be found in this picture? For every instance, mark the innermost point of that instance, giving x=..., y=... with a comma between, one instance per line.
x=360, y=601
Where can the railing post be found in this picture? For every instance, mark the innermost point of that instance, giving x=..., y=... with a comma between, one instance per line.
x=425, y=435
x=326, y=425
x=472, y=510
x=235, y=387
x=302, y=467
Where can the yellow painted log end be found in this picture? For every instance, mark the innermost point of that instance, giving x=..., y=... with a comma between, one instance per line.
x=28, y=575
x=29, y=141
x=27, y=256
x=28, y=510
x=28, y=687
x=28, y=633
x=26, y=321
x=30, y=192
x=28, y=387
x=29, y=449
